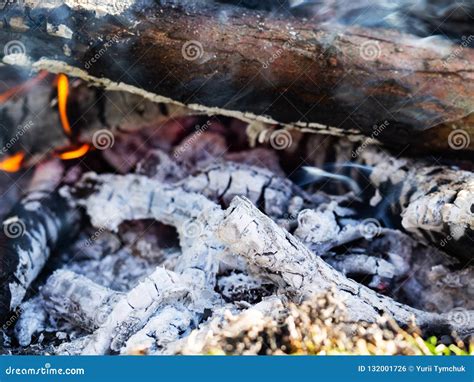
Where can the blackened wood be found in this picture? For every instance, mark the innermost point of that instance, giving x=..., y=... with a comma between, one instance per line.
x=262, y=66
x=35, y=227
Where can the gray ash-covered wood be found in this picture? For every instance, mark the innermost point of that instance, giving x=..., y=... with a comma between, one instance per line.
x=435, y=202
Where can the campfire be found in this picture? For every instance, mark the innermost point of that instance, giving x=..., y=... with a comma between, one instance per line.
x=207, y=177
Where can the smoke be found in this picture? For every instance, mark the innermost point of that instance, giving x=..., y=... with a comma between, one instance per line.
x=448, y=18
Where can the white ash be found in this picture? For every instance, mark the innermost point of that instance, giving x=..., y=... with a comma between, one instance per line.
x=223, y=181
x=78, y=299
x=32, y=320
x=119, y=271
x=164, y=328
x=133, y=311
x=280, y=257
x=325, y=228
x=194, y=344
x=435, y=202
x=355, y=264
x=243, y=287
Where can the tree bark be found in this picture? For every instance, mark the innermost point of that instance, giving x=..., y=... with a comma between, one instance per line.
x=257, y=66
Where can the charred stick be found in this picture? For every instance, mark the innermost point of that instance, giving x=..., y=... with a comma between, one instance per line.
x=31, y=123
x=422, y=89
x=35, y=227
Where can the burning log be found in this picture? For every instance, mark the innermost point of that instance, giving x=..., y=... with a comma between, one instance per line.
x=280, y=257
x=35, y=227
x=68, y=118
x=421, y=89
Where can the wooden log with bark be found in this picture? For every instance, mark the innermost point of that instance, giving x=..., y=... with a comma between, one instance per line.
x=255, y=66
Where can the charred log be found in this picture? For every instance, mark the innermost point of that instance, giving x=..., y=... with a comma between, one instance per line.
x=31, y=123
x=36, y=226
x=404, y=82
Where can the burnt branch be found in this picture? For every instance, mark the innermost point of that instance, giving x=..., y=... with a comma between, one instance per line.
x=421, y=89
x=37, y=225
x=280, y=257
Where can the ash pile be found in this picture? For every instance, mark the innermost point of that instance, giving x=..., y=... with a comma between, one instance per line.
x=204, y=233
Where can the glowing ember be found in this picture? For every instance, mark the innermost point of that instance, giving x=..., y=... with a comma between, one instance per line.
x=75, y=153
x=23, y=87
x=12, y=163
x=63, y=93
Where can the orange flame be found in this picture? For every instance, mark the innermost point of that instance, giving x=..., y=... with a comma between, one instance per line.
x=12, y=163
x=16, y=90
x=63, y=93
x=75, y=153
